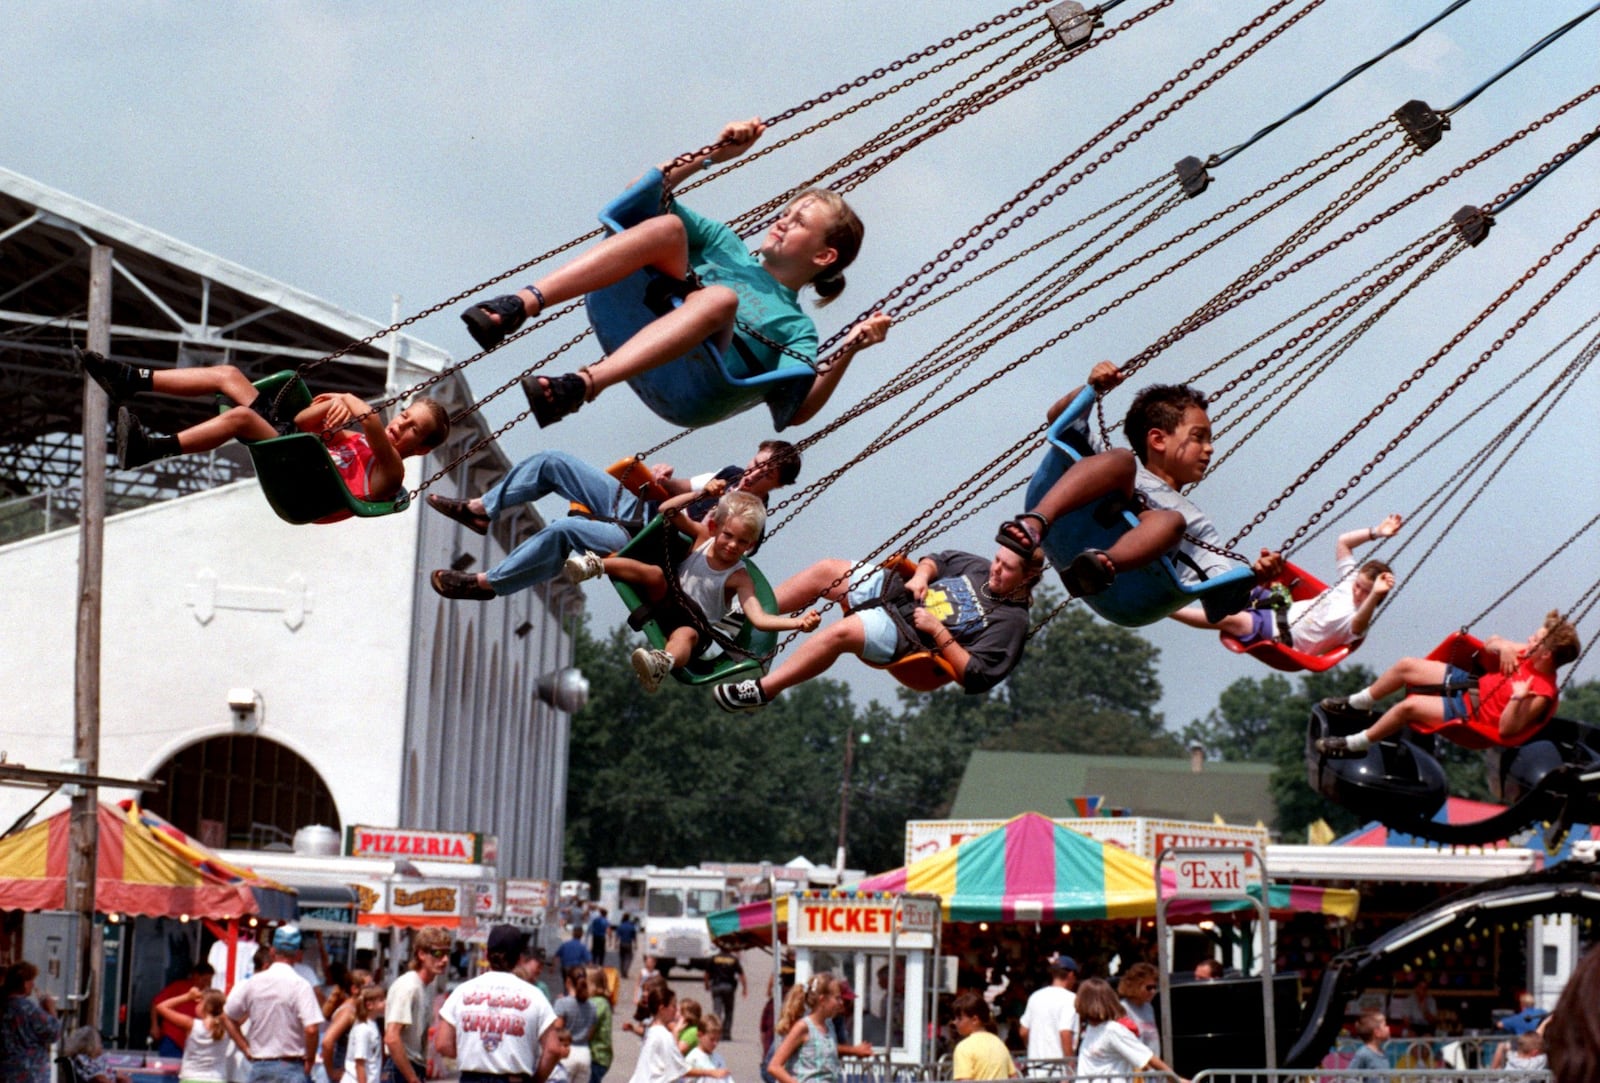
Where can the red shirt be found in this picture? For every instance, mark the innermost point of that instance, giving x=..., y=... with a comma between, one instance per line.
x=1481, y=728
x=188, y=1007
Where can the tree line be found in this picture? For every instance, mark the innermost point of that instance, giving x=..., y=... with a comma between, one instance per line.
x=668, y=779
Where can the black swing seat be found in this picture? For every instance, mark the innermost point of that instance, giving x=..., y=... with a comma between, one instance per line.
x=297, y=475
x=713, y=666
x=1564, y=745
x=1394, y=781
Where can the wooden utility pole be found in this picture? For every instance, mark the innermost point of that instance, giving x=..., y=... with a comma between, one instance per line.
x=84, y=835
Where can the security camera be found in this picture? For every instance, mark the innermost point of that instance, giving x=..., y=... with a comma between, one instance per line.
x=242, y=700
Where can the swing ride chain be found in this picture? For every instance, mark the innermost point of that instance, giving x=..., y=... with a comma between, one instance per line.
x=1405, y=385
x=1104, y=133
x=1537, y=568
x=1191, y=325
x=1551, y=396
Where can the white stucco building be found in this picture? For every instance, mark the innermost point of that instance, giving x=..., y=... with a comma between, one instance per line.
x=370, y=699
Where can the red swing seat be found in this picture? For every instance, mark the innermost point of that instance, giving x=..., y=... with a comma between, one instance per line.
x=1302, y=586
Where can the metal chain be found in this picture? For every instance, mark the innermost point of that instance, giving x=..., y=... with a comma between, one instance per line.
x=1537, y=568
x=1183, y=330
x=1376, y=411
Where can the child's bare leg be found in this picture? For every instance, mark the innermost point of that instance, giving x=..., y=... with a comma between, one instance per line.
x=681, y=644
x=1237, y=625
x=1086, y=481
x=803, y=588
x=210, y=380
x=1408, y=712
x=705, y=313
x=649, y=577
x=239, y=423
x=660, y=243
x=816, y=653
x=1407, y=671
x=1158, y=531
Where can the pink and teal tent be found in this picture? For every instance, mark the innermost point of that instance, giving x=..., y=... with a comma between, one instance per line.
x=1033, y=869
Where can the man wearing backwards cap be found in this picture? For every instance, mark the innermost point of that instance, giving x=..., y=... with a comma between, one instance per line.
x=497, y=1027
x=1049, y=1023
x=283, y=1014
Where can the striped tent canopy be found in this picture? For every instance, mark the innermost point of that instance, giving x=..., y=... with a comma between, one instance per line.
x=1033, y=869
x=145, y=866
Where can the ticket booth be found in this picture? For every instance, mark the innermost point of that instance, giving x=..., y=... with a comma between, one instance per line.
x=883, y=945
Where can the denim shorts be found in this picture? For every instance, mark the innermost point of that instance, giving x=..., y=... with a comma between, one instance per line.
x=877, y=627
x=1456, y=706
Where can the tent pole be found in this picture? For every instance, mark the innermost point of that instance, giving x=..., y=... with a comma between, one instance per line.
x=84, y=841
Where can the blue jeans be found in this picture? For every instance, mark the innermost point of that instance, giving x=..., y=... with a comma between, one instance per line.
x=277, y=1071
x=539, y=559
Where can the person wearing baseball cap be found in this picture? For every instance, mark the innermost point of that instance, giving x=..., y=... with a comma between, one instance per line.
x=283, y=1012
x=496, y=1025
x=1049, y=1023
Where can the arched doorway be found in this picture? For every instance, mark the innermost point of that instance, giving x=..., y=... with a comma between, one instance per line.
x=242, y=791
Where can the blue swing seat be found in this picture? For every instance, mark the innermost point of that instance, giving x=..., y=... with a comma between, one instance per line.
x=1140, y=596
x=703, y=386
x=297, y=475
x=715, y=666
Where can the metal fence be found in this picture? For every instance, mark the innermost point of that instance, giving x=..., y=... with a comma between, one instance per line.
x=1401, y=1054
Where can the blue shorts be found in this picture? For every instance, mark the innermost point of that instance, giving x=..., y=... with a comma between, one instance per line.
x=1456, y=707
x=878, y=629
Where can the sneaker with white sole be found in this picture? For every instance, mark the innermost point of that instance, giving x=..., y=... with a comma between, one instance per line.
x=581, y=566
x=652, y=667
x=740, y=696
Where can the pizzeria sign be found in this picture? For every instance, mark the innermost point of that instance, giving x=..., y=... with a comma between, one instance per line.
x=460, y=847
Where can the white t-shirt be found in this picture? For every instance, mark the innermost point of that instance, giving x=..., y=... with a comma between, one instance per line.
x=407, y=1004
x=498, y=1019
x=699, y=1058
x=1110, y=1050
x=204, y=1058
x=218, y=958
x=1050, y=1011
x=366, y=1046
x=659, y=1059
x=1145, y=1015
x=1320, y=624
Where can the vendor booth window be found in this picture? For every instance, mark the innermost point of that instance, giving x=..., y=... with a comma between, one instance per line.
x=242, y=791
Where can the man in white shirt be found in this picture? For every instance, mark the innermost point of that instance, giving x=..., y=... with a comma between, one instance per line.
x=1049, y=1023
x=408, y=1009
x=493, y=1025
x=283, y=1014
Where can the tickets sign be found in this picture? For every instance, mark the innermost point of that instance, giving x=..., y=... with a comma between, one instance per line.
x=461, y=847
x=857, y=923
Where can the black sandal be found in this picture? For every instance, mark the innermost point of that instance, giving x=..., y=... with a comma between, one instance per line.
x=1016, y=536
x=554, y=397
x=1090, y=572
x=488, y=332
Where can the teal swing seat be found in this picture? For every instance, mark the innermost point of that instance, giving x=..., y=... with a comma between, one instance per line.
x=296, y=473
x=714, y=665
x=707, y=384
x=1139, y=596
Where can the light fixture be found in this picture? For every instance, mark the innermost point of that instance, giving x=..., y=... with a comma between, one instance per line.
x=463, y=561
x=247, y=707
x=523, y=629
x=564, y=689
x=1066, y=928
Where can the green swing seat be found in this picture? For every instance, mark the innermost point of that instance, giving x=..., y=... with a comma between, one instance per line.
x=296, y=473
x=714, y=666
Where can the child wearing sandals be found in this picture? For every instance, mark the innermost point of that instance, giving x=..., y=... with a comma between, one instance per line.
x=712, y=572
x=1170, y=435
x=814, y=239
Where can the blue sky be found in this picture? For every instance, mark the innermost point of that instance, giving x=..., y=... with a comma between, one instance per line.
x=364, y=150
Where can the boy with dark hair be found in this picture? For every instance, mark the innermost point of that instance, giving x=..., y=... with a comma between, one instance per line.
x=1506, y=707
x=1170, y=435
x=369, y=461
